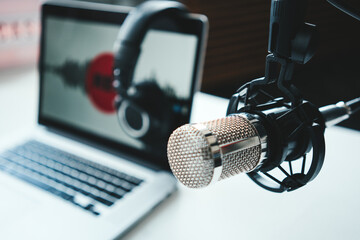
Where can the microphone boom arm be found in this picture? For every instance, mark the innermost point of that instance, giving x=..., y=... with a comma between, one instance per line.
x=291, y=122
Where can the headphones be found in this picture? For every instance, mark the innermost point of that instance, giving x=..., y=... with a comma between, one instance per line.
x=142, y=109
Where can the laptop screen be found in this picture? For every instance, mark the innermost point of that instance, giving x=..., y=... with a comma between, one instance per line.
x=77, y=95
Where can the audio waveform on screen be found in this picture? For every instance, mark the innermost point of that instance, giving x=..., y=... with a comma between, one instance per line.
x=71, y=73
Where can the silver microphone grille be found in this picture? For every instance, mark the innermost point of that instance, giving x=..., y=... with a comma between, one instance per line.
x=202, y=153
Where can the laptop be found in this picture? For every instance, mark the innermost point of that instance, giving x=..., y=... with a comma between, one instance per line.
x=80, y=175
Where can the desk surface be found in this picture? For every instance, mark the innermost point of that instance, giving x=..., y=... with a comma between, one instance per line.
x=328, y=208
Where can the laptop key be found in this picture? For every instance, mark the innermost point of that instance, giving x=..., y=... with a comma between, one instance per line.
x=82, y=200
x=120, y=192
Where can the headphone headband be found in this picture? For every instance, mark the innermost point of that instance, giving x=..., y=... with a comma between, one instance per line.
x=132, y=33
x=137, y=22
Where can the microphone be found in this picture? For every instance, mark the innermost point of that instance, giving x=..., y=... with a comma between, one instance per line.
x=201, y=154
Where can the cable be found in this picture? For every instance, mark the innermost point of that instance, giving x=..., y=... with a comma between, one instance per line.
x=343, y=6
x=354, y=105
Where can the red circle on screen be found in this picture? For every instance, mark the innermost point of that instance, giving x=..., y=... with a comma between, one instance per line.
x=99, y=83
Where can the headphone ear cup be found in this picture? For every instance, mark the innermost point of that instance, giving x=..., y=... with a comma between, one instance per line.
x=152, y=99
x=144, y=113
x=134, y=121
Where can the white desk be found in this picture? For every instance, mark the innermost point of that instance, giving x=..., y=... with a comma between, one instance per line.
x=328, y=208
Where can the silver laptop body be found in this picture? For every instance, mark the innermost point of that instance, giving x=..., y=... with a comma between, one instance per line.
x=118, y=179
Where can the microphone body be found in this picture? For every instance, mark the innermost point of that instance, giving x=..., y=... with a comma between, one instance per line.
x=203, y=153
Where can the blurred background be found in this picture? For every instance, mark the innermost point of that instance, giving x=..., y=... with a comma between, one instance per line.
x=236, y=50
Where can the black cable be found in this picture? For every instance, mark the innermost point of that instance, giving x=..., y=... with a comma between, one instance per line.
x=346, y=8
x=354, y=105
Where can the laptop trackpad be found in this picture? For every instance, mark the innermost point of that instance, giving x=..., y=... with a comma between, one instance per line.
x=15, y=204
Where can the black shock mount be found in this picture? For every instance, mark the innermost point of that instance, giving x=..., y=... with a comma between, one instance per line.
x=294, y=127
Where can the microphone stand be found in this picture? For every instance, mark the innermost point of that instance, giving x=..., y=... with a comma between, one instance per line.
x=294, y=126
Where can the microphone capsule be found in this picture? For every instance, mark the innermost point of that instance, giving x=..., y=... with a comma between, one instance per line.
x=204, y=153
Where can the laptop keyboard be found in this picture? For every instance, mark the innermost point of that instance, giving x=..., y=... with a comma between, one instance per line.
x=86, y=184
